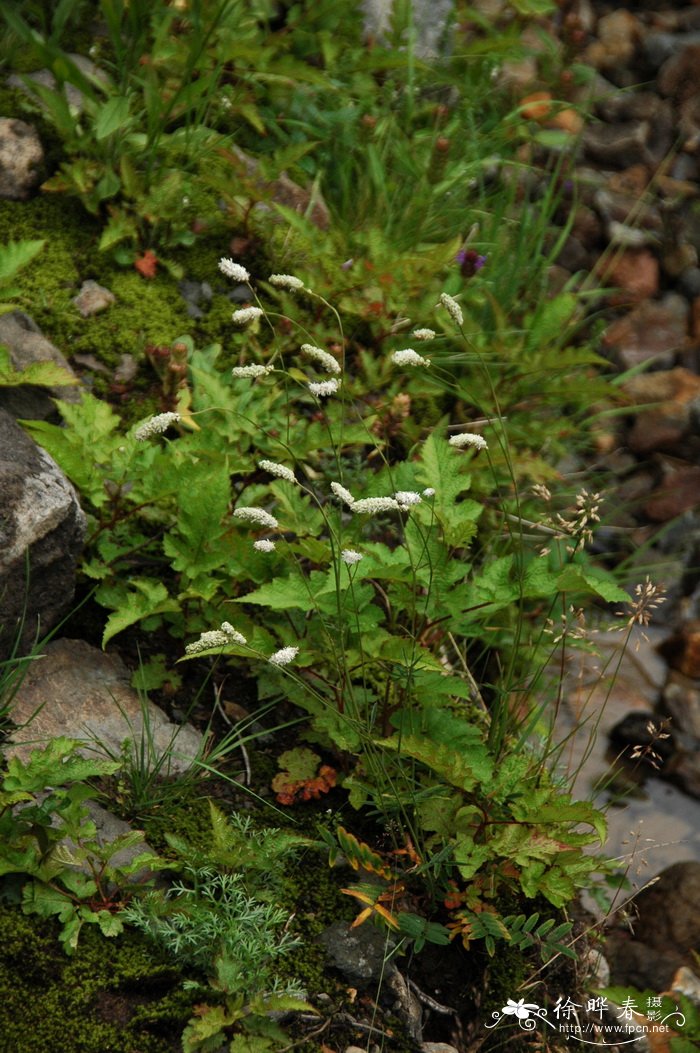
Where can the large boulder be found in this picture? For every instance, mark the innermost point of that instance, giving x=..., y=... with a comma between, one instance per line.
x=42, y=529
x=78, y=691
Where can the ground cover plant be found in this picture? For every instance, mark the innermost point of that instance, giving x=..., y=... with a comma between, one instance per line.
x=347, y=494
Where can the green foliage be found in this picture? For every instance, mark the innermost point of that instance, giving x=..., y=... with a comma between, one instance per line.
x=166, y=550
x=220, y=918
x=546, y=936
x=15, y=255
x=49, y=841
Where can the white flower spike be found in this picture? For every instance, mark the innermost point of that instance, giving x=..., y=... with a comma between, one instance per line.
x=246, y=315
x=233, y=270
x=155, y=426
x=371, y=506
x=452, y=308
x=264, y=545
x=256, y=517
x=409, y=357
x=342, y=494
x=324, y=388
x=467, y=439
x=423, y=334
x=349, y=556
x=286, y=281
x=251, y=371
x=280, y=470
x=284, y=656
x=407, y=498
x=216, y=638
x=324, y=358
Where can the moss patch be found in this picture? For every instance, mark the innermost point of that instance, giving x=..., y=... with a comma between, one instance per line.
x=116, y=995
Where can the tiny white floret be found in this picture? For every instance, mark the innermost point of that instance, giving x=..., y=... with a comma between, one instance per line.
x=428, y=492
x=423, y=334
x=349, y=556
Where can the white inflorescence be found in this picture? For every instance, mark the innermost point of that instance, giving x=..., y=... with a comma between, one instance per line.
x=264, y=545
x=342, y=494
x=406, y=498
x=428, y=492
x=280, y=470
x=284, y=656
x=477, y=442
x=452, y=308
x=349, y=556
x=155, y=426
x=409, y=357
x=233, y=270
x=324, y=358
x=216, y=638
x=423, y=334
x=370, y=506
x=324, y=388
x=256, y=516
x=246, y=315
x=286, y=281
x=251, y=371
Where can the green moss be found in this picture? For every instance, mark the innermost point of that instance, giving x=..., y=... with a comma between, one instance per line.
x=117, y=995
x=191, y=820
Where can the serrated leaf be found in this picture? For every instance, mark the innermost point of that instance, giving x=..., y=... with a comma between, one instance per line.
x=14, y=255
x=147, y=597
x=579, y=578
x=55, y=765
x=110, y=924
x=446, y=472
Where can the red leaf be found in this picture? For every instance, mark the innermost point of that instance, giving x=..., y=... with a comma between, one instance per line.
x=146, y=264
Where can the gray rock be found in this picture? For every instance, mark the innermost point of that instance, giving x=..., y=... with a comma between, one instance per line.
x=21, y=159
x=666, y=931
x=46, y=79
x=42, y=528
x=430, y=23
x=359, y=954
x=627, y=143
x=78, y=691
x=26, y=344
x=93, y=298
